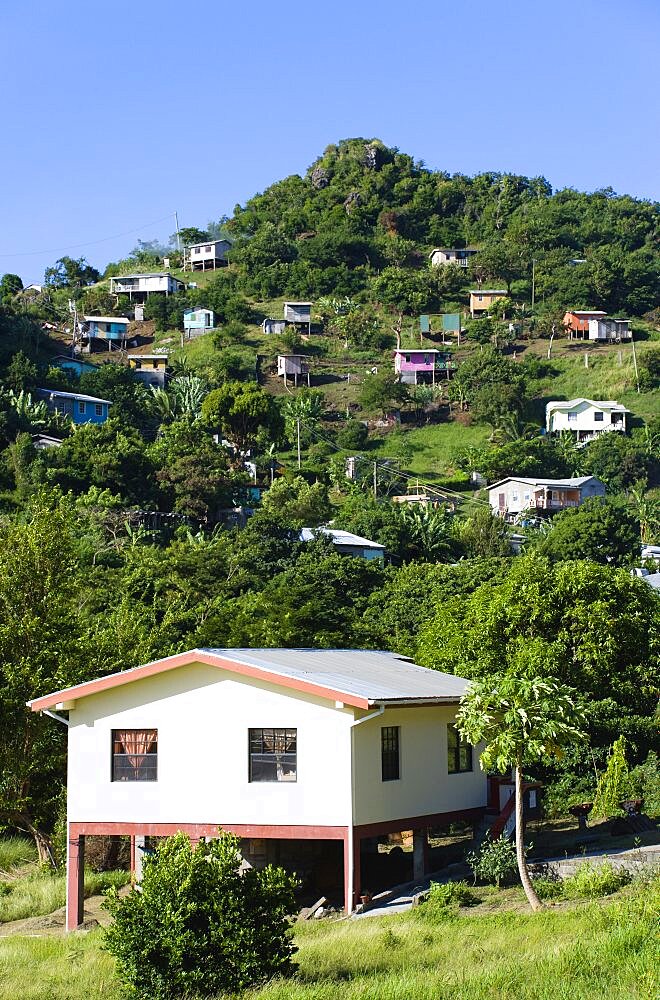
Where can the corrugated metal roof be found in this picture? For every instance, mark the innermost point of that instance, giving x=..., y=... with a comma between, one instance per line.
x=376, y=675
x=339, y=537
x=605, y=404
x=58, y=393
x=575, y=482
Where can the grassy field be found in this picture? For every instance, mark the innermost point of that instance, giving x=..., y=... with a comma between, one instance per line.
x=582, y=952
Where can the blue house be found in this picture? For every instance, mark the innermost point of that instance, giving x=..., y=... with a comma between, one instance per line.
x=79, y=408
x=198, y=319
x=110, y=328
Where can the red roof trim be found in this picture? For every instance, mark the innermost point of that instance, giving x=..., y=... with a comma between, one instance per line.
x=182, y=659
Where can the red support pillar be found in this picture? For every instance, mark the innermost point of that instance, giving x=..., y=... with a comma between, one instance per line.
x=132, y=839
x=75, y=881
x=351, y=869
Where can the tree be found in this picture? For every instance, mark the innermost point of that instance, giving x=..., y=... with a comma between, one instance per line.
x=382, y=393
x=240, y=410
x=303, y=411
x=647, y=511
x=21, y=373
x=199, y=924
x=483, y=535
x=189, y=235
x=298, y=502
x=521, y=719
x=10, y=284
x=70, y=273
x=597, y=627
x=606, y=532
x=41, y=649
x=614, y=784
x=121, y=386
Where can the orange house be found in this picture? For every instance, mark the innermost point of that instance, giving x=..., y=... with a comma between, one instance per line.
x=481, y=299
x=576, y=321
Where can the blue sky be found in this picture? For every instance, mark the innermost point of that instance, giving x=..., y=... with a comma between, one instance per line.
x=116, y=115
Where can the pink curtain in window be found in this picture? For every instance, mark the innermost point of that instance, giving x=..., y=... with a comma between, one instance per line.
x=136, y=742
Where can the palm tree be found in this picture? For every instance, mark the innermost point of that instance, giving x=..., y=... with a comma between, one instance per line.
x=430, y=531
x=183, y=397
x=647, y=511
x=570, y=455
x=511, y=427
x=520, y=720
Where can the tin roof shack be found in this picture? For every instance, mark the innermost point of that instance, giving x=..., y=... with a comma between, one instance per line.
x=151, y=369
x=586, y=418
x=276, y=326
x=481, y=299
x=423, y=366
x=80, y=408
x=299, y=313
x=342, y=746
x=441, y=255
x=112, y=329
x=346, y=543
x=609, y=331
x=206, y=256
x=139, y=287
x=576, y=322
x=513, y=496
x=293, y=366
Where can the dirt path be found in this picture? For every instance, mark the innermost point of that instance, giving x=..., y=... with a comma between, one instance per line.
x=52, y=924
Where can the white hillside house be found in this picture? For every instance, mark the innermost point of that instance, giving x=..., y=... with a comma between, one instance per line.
x=141, y=286
x=586, y=418
x=206, y=256
x=515, y=495
x=302, y=750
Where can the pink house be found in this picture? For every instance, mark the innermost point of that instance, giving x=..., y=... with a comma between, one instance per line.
x=423, y=365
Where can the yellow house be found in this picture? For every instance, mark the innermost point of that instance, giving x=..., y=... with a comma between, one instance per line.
x=482, y=299
x=149, y=368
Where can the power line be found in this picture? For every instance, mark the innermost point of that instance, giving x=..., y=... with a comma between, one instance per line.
x=89, y=243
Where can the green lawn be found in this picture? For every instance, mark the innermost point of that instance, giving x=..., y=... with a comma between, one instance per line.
x=582, y=952
x=430, y=451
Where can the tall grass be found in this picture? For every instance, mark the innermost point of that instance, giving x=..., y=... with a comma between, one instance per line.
x=40, y=892
x=586, y=952
x=16, y=851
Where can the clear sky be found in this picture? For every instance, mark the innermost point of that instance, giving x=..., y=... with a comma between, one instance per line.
x=115, y=115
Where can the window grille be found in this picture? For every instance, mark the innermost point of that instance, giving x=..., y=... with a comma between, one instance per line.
x=459, y=753
x=389, y=753
x=273, y=754
x=134, y=754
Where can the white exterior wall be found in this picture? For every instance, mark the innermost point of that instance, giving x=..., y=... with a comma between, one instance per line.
x=424, y=785
x=585, y=419
x=518, y=497
x=203, y=715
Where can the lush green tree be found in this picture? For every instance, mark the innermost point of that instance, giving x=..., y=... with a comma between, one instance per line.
x=41, y=649
x=121, y=386
x=606, y=532
x=619, y=461
x=521, y=720
x=10, y=284
x=483, y=535
x=199, y=925
x=298, y=502
x=382, y=393
x=302, y=414
x=107, y=455
x=353, y=436
x=597, y=625
x=69, y=273
x=240, y=410
x=21, y=373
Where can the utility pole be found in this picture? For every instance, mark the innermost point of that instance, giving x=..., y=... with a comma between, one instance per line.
x=634, y=354
x=533, y=282
x=178, y=234
x=298, y=436
x=376, y=479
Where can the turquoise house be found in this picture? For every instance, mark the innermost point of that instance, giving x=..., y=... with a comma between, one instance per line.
x=79, y=408
x=110, y=328
x=198, y=319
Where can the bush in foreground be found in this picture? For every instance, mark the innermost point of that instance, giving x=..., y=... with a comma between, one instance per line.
x=198, y=926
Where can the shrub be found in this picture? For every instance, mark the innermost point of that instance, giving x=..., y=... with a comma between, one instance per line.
x=590, y=881
x=353, y=436
x=614, y=784
x=199, y=926
x=645, y=782
x=494, y=861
